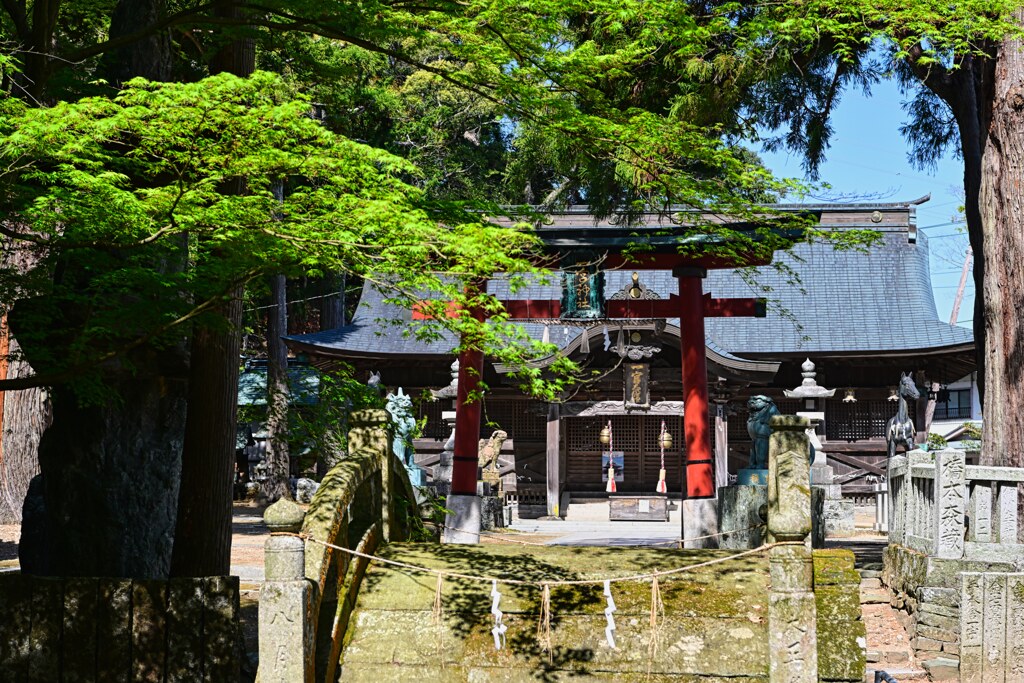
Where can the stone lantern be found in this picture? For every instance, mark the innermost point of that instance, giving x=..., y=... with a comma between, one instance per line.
x=835, y=514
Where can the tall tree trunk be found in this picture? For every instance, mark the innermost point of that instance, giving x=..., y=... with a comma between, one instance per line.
x=1002, y=222
x=38, y=60
x=968, y=92
x=24, y=415
x=150, y=55
x=332, y=305
x=276, y=485
x=202, y=539
x=104, y=503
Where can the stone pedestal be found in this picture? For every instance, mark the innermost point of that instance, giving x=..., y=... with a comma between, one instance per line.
x=792, y=614
x=700, y=518
x=417, y=477
x=836, y=512
x=443, y=474
x=462, y=523
x=739, y=509
x=286, y=602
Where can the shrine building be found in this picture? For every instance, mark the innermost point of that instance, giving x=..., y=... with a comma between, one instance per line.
x=861, y=316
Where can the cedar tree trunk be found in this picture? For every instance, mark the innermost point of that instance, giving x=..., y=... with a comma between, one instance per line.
x=202, y=539
x=1002, y=223
x=276, y=485
x=104, y=503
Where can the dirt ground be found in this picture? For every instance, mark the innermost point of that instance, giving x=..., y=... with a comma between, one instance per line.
x=884, y=631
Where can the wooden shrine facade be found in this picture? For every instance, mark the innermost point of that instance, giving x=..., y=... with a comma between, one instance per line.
x=862, y=317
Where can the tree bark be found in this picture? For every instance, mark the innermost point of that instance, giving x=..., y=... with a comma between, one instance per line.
x=1002, y=223
x=24, y=415
x=332, y=306
x=276, y=485
x=104, y=502
x=202, y=539
x=150, y=55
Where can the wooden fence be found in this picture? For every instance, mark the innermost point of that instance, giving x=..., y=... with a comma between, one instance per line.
x=98, y=629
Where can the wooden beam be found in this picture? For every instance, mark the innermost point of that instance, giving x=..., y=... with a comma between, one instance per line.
x=851, y=461
x=624, y=309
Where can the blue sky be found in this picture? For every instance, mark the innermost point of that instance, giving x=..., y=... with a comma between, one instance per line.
x=868, y=158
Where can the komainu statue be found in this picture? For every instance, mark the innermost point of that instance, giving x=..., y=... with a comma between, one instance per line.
x=487, y=456
x=761, y=410
x=399, y=406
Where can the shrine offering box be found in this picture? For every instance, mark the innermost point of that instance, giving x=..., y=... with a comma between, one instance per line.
x=628, y=508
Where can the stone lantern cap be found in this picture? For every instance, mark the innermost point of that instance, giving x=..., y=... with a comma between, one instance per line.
x=809, y=387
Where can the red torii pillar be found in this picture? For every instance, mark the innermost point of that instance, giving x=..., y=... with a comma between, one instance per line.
x=699, y=467
x=467, y=420
x=691, y=305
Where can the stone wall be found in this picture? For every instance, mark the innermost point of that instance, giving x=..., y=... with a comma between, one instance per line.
x=96, y=629
x=926, y=592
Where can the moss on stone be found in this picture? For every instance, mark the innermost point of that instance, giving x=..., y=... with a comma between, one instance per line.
x=834, y=566
x=841, y=632
x=714, y=622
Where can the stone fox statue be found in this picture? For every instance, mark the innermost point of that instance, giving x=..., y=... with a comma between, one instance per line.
x=761, y=410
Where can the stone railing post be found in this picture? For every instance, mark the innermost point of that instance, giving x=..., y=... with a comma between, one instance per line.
x=898, y=479
x=881, y=490
x=369, y=431
x=950, y=503
x=792, y=616
x=286, y=629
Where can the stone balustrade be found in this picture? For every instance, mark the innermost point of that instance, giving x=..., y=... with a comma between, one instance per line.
x=944, y=508
x=311, y=587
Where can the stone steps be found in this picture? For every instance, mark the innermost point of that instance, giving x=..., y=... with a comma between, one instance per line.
x=889, y=647
x=901, y=674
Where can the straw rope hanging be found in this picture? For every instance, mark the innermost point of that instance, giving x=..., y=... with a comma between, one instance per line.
x=657, y=614
x=544, y=621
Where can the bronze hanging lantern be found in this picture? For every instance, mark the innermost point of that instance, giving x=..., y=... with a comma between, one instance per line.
x=666, y=440
x=605, y=436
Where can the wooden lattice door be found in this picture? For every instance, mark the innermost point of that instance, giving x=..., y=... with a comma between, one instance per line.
x=637, y=437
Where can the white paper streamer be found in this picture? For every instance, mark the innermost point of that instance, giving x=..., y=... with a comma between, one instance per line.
x=499, y=628
x=609, y=632
x=607, y=339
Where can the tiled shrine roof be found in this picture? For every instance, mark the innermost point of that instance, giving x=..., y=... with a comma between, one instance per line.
x=848, y=302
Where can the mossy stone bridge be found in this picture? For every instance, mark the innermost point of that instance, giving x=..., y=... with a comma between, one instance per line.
x=350, y=598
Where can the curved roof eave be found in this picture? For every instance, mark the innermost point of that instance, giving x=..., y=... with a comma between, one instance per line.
x=727, y=364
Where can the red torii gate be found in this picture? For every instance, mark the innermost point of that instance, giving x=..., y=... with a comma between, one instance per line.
x=690, y=305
